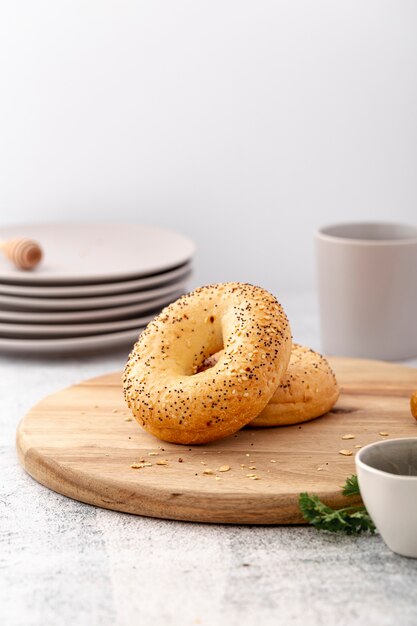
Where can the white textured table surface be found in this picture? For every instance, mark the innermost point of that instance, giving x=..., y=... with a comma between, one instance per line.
x=63, y=562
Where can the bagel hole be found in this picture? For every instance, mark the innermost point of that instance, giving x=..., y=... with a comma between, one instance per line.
x=208, y=343
x=209, y=361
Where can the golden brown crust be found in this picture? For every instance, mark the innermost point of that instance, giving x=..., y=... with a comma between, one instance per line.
x=413, y=405
x=308, y=390
x=167, y=394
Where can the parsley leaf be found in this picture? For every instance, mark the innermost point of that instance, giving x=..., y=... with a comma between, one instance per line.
x=351, y=486
x=351, y=520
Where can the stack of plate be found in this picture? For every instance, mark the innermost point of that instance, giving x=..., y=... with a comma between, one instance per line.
x=97, y=287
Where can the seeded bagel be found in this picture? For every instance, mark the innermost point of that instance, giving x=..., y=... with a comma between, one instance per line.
x=413, y=404
x=309, y=389
x=176, y=402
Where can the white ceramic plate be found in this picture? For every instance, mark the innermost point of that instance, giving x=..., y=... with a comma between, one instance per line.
x=99, y=289
x=17, y=303
x=69, y=346
x=79, y=253
x=92, y=315
x=48, y=331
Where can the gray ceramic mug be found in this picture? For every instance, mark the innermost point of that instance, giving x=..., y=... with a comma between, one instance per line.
x=367, y=283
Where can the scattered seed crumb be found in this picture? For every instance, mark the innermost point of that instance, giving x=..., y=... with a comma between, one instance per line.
x=96, y=406
x=358, y=446
x=208, y=472
x=153, y=453
x=247, y=454
x=203, y=463
x=180, y=460
x=147, y=464
x=128, y=419
x=346, y=452
x=115, y=411
x=140, y=464
x=383, y=433
x=224, y=468
x=273, y=461
x=319, y=469
x=252, y=467
x=348, y=436
x=217, y=478
x=242, y=465
x=82, y=412
x=162, y=462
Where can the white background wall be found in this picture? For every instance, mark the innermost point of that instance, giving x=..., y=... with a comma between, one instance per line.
x=245, y=124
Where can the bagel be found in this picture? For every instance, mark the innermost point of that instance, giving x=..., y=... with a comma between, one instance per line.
x=165, y=390
x=413, y=404
x=309, y=389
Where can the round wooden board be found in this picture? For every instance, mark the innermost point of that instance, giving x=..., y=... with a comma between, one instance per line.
x=80, y=442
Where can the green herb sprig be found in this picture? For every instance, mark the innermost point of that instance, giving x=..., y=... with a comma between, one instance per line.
x=351, y=520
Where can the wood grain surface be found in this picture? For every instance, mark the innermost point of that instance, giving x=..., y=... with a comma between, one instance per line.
x=81, y=442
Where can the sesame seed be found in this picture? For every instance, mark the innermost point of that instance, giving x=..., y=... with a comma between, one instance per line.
x=346, y=452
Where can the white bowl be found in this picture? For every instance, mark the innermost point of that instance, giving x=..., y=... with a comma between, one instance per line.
x=387, y=475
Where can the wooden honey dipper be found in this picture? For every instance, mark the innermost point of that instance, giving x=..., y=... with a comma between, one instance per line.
x=25, y=254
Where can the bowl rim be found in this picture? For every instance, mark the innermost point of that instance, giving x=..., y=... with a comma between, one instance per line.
x=363, y=465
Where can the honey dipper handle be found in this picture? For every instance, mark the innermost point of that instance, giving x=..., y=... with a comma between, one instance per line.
x=24, y=253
